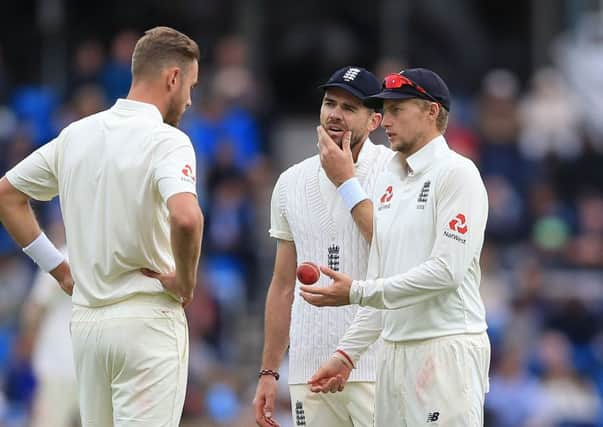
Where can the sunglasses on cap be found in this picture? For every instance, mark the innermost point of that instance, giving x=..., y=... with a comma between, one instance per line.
x=398, y=81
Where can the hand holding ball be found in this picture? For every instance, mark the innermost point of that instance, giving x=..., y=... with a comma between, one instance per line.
x=308, y=273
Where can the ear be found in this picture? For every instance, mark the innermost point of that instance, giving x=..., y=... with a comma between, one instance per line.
x=434, y=110
x=374, y=121
x=173, y=74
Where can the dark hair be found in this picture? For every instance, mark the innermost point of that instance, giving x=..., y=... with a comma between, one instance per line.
x=161, y=47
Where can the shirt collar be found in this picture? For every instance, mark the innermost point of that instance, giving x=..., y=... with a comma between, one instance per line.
x=149, y=110
x=422, y=159
x=365, y=150
x=365, y=160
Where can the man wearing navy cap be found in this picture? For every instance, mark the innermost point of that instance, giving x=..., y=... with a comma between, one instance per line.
x=312, y=223
x=428, y=211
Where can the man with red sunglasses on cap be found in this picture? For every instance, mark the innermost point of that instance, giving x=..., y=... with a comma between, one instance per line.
x=312, y=223
x=428, y=211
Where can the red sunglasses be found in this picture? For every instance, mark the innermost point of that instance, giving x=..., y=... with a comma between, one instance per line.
x=398, y=81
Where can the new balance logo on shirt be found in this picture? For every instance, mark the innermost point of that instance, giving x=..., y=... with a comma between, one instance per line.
x=432, y=417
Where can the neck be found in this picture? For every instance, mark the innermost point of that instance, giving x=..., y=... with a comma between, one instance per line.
x=356, y=149
x=426, y=139
x=145, y=92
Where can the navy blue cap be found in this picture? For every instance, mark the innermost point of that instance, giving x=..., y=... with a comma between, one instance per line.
x=428, y=85
x=355, y=80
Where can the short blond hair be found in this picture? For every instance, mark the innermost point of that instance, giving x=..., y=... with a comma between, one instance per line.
x=161, y=47
x=441, y=120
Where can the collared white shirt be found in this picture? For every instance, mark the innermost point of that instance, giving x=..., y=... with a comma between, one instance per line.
x=307, y=210
x=429, y=222
x=114, y=172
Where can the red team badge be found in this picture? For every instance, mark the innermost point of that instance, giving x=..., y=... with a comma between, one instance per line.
x=458, y=224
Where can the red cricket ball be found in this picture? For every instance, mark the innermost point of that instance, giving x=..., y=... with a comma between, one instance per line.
x=308, y=273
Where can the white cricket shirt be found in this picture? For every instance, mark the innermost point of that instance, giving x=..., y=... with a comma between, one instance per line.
x=114, y=172
x=307, y=209
x=429, y=223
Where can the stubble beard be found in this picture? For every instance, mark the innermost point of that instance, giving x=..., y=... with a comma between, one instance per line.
x=354, y=140
x=406, y=147
x=173, y=114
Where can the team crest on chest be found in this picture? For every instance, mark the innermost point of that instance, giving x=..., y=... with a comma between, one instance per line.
x=423, y=195
x=333, y=258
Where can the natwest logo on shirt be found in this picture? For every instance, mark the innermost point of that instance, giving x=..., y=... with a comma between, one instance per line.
x=458, y=224
x=386, y=198
x=187, y=171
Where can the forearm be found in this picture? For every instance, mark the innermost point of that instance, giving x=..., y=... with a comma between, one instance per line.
x=423, y=282
x=277, y=320
x=359, y=204
x=363, y=217
x=16, y=214
x=186, y=247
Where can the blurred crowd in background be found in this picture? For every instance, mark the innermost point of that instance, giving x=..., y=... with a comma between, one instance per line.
x=536, y=136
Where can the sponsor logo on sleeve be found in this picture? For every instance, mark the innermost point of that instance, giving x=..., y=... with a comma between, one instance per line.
x=188, y=174
x=457, y=227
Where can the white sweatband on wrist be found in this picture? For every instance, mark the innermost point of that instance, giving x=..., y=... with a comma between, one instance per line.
x=352, y=192
x=44, y=253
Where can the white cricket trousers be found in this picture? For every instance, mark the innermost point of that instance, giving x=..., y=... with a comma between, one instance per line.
x=352, y=407
x=131, y=361
x=437, y=382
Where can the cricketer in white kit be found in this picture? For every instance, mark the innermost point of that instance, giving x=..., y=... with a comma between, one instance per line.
x=312, y=223
x=429, y=213
x=126, y=182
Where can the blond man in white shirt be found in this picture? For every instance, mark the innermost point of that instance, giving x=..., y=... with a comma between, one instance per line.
x=311, y=223
x=429, y=213
x=126, y=182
